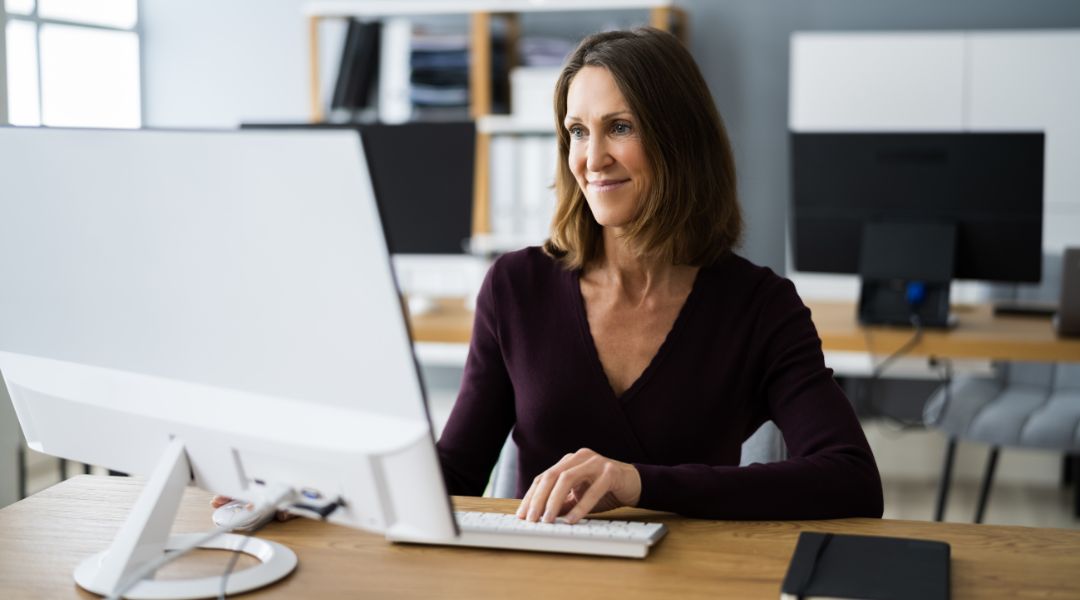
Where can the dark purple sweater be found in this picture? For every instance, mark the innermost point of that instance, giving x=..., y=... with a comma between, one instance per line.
x=743, y=350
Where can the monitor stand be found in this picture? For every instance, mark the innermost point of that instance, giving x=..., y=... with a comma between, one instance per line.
x=906, y=270
x=144, y=537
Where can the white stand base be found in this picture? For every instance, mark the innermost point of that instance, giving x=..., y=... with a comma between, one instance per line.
x=276, y=562
x=144, y=538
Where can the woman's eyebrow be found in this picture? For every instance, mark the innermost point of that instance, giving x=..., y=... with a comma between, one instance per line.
x=607, y=117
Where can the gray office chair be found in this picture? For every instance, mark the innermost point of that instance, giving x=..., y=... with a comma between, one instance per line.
x=1028, y=405
x=765, y=445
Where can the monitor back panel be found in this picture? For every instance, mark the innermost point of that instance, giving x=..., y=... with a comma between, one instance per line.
x=989, y=185
x=247, y=260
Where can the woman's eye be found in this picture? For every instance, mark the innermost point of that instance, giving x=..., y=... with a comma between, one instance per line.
x=576, y=132
x=620, y=128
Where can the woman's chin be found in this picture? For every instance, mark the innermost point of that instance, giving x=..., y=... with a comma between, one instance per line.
x=612, y=218
x=615, y=223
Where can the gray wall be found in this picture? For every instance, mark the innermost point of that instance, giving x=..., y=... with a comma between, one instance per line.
x=216, y=64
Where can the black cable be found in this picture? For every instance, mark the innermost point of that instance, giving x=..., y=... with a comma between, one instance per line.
x=323, y=512
x=232, y=562
x=879, y=370
x=946, y=382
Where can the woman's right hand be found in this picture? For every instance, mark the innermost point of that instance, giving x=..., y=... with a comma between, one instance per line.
x=219, y=501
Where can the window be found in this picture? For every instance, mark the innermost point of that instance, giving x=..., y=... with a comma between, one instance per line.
x=72, y=63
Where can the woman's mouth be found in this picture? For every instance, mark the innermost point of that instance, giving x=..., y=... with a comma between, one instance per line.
x=607, y=185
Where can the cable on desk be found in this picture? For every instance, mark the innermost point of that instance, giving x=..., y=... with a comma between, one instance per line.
x=323, y=512
x=232, y=562
x=165, y=558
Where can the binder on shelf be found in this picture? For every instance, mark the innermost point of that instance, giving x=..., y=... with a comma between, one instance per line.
x=827, y=565
x=537, y=159
x=504, y=191
x=359, y=67
x=395, y=105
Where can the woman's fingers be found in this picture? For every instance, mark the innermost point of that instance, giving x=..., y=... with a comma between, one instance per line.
x=567, y=481
x=578, y=484
x=523, y=508
x=596, y=491
x=535, y=498
x=219, y=501
x=542, y=500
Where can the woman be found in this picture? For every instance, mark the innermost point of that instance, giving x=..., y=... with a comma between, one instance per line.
x=635, y=352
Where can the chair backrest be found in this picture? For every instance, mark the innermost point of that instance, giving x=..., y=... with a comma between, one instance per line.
x=765, y=445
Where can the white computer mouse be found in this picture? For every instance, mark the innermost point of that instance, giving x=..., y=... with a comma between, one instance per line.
x=240, y=516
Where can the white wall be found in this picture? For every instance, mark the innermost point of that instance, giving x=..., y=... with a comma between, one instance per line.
x=3, y=74
x=216, y=64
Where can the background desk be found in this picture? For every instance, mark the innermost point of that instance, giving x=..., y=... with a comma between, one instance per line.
x=43, y=537
x=979, y=333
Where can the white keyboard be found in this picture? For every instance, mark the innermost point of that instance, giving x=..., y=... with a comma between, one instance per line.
x=589, y=536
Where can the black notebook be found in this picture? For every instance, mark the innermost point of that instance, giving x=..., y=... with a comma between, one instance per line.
x=827, y=565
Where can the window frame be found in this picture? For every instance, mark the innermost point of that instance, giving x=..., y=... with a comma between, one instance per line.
x=37, y=20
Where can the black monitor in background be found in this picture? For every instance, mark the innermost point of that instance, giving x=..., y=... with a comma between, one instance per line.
x=423, y=179
x=909, y=212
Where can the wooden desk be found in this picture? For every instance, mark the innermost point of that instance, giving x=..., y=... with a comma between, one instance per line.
x=979, y=334
x=46, y=535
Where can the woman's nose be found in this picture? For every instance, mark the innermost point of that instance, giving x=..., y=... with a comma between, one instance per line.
x=597, y=156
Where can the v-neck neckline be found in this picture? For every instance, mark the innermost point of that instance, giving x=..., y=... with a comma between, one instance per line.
x=657, y=359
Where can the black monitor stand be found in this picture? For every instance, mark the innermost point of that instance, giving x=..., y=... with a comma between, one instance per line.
x=906, y=270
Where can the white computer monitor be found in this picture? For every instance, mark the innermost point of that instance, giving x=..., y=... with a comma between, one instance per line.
x=214, y=308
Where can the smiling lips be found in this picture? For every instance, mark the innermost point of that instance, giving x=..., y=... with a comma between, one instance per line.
x=606, y=185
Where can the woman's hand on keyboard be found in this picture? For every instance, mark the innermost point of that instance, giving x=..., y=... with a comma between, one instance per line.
x=580, y=483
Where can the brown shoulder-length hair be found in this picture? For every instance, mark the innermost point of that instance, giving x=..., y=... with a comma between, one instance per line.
x=691, y=214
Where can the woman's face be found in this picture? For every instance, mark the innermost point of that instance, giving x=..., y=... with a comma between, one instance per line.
x=606, y=154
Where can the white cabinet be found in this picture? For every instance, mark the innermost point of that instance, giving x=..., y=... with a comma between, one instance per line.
x=876, y=81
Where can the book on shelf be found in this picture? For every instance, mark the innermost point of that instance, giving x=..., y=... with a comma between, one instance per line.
x=359, y=67
x=395, y=105
x=405, y=72
x=504, y=186
x=533, y=92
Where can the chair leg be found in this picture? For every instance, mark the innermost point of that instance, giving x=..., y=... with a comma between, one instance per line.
x=23, y=475
x=988, y=479
x=946, y=477
x=1076, y=484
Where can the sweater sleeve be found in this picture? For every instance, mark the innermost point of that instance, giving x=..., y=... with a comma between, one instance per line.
x=831, y=471
x=484, y=411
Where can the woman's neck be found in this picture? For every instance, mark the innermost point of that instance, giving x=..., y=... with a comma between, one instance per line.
x=636, y=278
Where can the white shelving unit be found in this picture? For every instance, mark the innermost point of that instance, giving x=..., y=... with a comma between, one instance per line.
x=662, y=14
x=391, y=8
x=511, y=125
